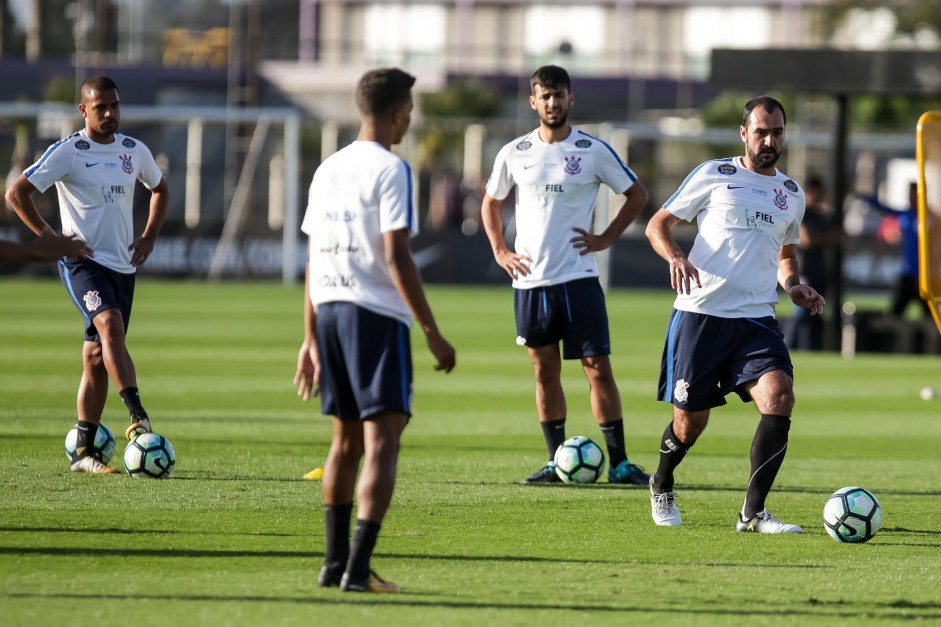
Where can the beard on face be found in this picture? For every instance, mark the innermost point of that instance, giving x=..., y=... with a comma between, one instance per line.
x=559, y=122
x=765, y=158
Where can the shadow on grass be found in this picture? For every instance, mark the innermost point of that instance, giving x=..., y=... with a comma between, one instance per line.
x=838, y=610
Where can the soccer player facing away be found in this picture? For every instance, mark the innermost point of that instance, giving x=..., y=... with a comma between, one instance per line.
x=557, y=171
x=363, y=290
x=94, y=171
x=722, y=335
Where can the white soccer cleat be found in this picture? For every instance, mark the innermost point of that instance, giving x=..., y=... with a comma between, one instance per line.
x=92, y=466
x=663, y=508
x=764, y=522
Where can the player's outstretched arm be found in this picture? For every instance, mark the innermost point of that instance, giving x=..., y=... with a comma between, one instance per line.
x=408, y=283
x=492, y=217
x=660, y=233
x=307, y=375
x=634, y=201
x=47, y=247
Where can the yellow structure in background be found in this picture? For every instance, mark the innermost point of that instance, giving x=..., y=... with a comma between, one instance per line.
x=928, y=150
x=194, y=49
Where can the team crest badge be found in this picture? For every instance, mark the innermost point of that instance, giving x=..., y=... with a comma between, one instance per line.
x=780, y=199
x=126, y=164
x=791, y=185
x=82, y=145
x=680, y=392
x=727, y=169
x=583, y=143
x=128, y=142
x=92, y=300
x=573, y=165
x=524, y=145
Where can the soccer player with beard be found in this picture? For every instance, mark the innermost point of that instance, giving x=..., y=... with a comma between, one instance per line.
x=94, y=171
x=722, y=335
x=557, y=171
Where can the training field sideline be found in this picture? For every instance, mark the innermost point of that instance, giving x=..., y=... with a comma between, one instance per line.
x=234, y=537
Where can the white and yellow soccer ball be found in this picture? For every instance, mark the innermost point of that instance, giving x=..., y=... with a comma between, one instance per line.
x=579, y=460
x=103, y=446
x=149, y=455
x=852, y=515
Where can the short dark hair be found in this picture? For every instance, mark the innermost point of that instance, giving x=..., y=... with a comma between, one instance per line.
x=550, y=77
x=767, y=103
x=381, y=91
x=97, y=83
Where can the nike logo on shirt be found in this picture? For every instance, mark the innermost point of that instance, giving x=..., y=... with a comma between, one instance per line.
x=88, y=165
x=735, y=187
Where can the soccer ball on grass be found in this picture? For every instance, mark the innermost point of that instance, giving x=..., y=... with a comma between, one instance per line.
x=149, y=455
x=103, y=447
x=852, y=515
x=579, y=460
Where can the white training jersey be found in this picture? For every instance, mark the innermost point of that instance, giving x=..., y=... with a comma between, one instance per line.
x=556, y=189
x=744, y=218
x=356, y=195
x=95, y=185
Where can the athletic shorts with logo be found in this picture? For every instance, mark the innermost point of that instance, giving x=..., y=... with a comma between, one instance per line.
x=94, y=288
x=365, y=362
x=573, y=313
x=707, y=357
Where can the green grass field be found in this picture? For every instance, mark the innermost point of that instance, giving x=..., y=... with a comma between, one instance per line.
x=235, y=536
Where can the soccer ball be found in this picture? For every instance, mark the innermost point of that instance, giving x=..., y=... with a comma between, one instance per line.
x=579, y=460
x=103, y=445
x=852, y=515
x=149, y=455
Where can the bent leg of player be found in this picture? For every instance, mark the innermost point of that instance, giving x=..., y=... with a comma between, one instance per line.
x=381, y=437
x=111, y=329
x=774, y=398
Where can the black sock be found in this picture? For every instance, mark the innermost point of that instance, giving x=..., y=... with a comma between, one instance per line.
x=672, y=452
x=613, y=434
x=767, y=453
x=131, y=398
x=554, y=433
x=364, y=541
x=337, y=530
x=85, y=442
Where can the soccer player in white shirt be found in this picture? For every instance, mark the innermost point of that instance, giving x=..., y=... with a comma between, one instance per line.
x=722, y=336
x=363, y=289
x=557, y=171
x=95, y=171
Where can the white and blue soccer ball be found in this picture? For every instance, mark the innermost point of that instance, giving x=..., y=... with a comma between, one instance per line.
x=852, y=515
x=149, y=455
x=103, y=447
x=579, y=460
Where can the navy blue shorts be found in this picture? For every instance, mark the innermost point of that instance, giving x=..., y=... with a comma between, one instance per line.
x=707, y=357
x=94, y=288
x=365, y=362
x=573, y=313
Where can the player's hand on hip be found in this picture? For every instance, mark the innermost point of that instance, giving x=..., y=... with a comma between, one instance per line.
x=515, y=265
x=141, y=247
x=587, y=242
x=807, y=297
x=682, y=275
x=307, y=377
x=443, y=352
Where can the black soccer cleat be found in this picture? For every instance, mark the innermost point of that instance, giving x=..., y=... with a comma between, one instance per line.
x=329, y=577
x=546, y=474
x=372, y=583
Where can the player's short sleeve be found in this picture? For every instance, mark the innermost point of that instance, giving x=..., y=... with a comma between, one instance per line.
x=54, y=165
x=611, y=171
x=501, y=178
x=792, y=235
x=149, y=174
x=396, y=204
x=693, y=194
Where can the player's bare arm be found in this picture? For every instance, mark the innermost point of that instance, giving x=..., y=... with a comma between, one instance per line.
x=307, y=376
x=46, y=247
x=634, y=200
x=660, y=233
x=491, y=216
x=144, y=245
x=801, y=294
x=20, y=197
x=408, y=282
